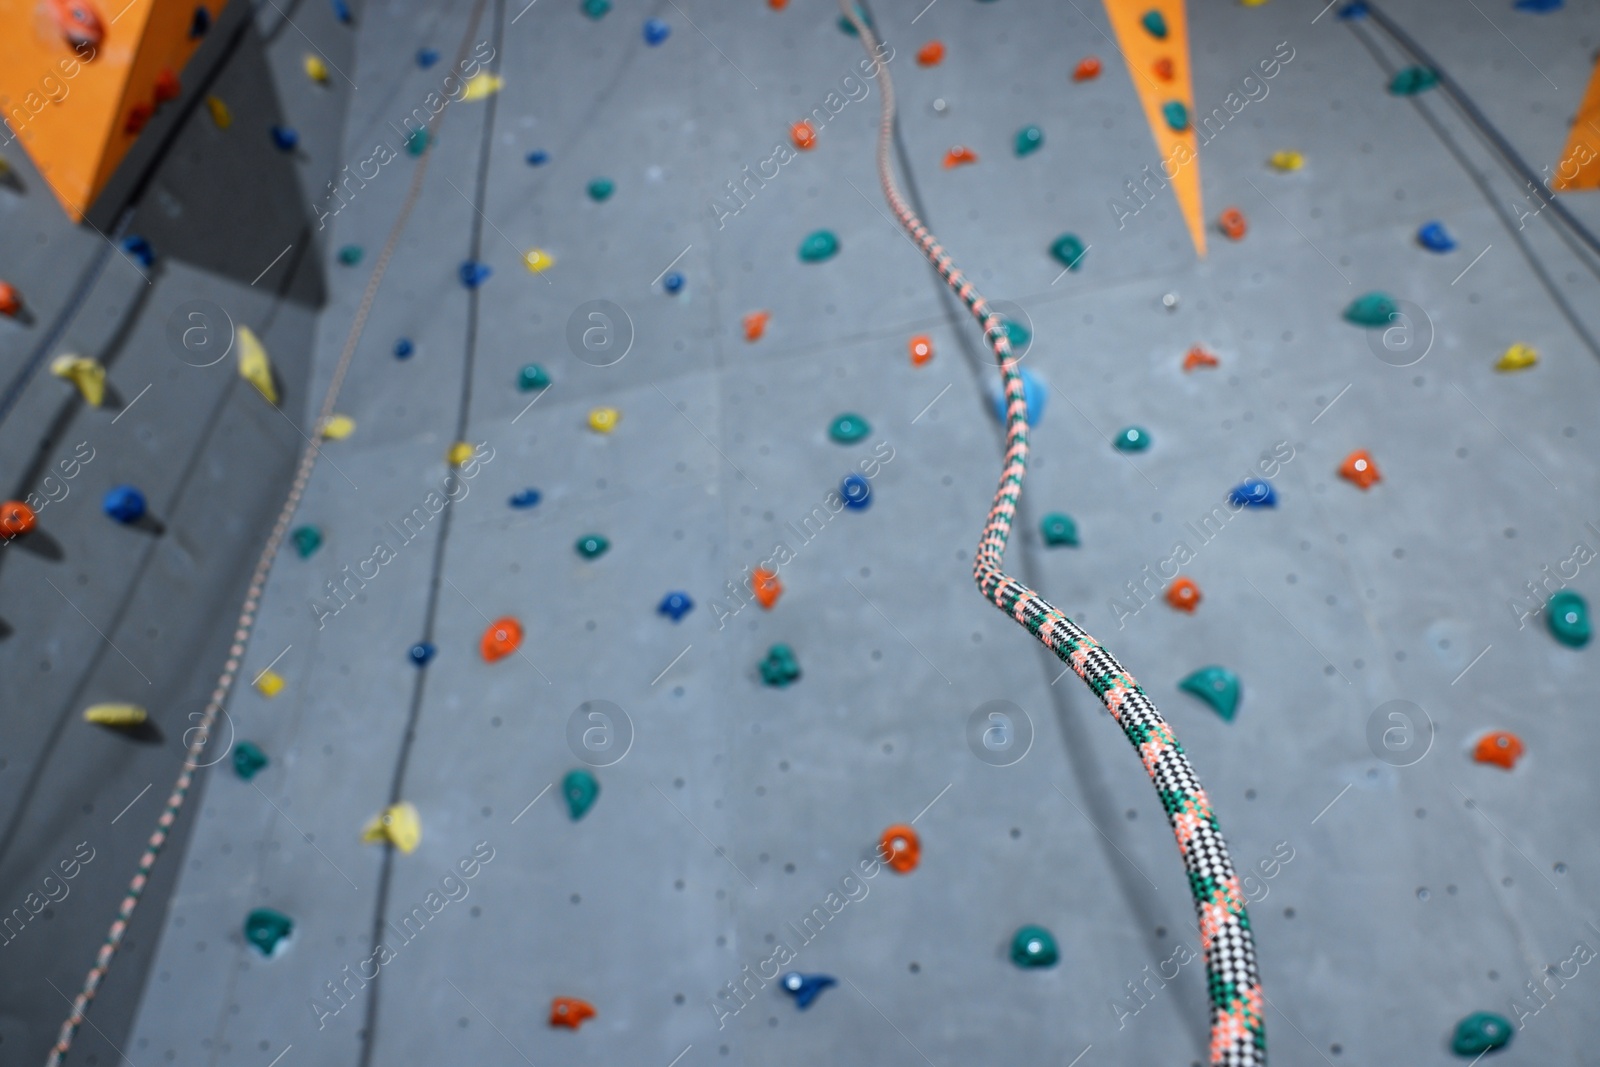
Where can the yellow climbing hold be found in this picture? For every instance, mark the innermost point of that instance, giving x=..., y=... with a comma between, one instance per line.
x=604, y=420
x=270, y=683
x=316, y=69
x=254, y=366
x=538, y=260
x=482, y=85
x=338, y=427
x=1252, y=3
x=1287, y=160
x=219, y=112
x=1518, y=357
x=115, y=714
x=86, y=374
x=399, y=825
x=459, y=453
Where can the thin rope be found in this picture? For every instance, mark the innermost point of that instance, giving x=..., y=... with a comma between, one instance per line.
x=1238, y=1028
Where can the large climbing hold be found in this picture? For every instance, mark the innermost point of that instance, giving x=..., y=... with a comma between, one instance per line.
x=1567, y=615
x=503, y=637
x=1058, y=529
x=780, y=667
x=248, y=759
x=1184, y=595
x=115, y=714
x=398, y=824
x=254, y=365
x=1359, y=468
x=267, y=930
x=1068, y=250
x=1034, y=946
x=1217, y=686
x=1499, y=748
x=1372, y=310
x=1413, y=80
x=1518, y=357
x=581, y=789
x=1253, y=493
x=1479, y=1033
x=570, y=1012
x=818, y=246
x=87, y=374
x=804, y=988
x=124, y=504
x=900, y=848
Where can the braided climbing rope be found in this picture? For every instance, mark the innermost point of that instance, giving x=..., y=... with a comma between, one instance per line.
x=1238, y=1029
x=247, y=615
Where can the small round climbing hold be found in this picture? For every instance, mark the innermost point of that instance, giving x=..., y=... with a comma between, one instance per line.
x=421, y=653
x=848, y=428
x=307, y=539
x=755, y=324
x=1068, y=250
x=1176, y=115
x=1286, y=160
x=1155, y=24
x=524, y=498
x=503, y=637
x=403, y=348
x=285, y=138
x=16, y=519
x=655, y=31
x=570, y=1011
x=1232, y=224
x=780, y=667
x=537, y=158
x=1034, y=946
x=1567, y=615
x=673, y=282
x=1372, y=310
x=1184, y=595
x=930, y=54
x=604, y=420
x=124, y=503
x=1253, y=493
x=581, y=789
x=675, y=606
x=1199, y=356
x=921, y=349
x=1359, y=468
x=1057, y=529
x=857, y=492
x=531, y=377
x=804, y=988
x=1479, y=1033
x=958, y=155
x=818, y=246
x=459, y=454
x=804, y=135
x=1132, y=439
x=10, y=300
x=1499, y=748
x=601, y=188
x=1518, y=357
x=248, y=759
x=940, y=107
x=474, y=274
x=767, y=588
x=1413, y=80
x=1217, y=686
x=592, y=546
x=1029, y=138
x=267, y=929
x=900, y=848
x=427, y=57
x=596, y=9
x=1435, y=238
x=537, y=260
x=1088, y=69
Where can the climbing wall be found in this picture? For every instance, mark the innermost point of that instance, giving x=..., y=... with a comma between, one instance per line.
x=633, y=341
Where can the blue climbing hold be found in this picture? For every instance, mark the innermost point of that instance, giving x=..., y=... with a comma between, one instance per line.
x=1433, y=237
x=804, y=988
x=857, y=492
x=138, y=248
x=341, y=11
x=1357, y=9
x=125, y=504
x=673, y=282
x=473, y=273
x=421, y=653
x=1217, y=686
x=656, y=31
x=199, y=24
x=403, y=348
x=538, y=157
x=1540, y=7
x=675, y=606
x=1253, y=493
x=285, y=138
x=1131, y=439
x=1033, y=391
x=426, y=57
x=527, y=498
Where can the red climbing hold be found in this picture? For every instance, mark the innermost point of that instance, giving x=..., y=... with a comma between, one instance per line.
x=1359, y=468
x=1087, y=69
x=1232, y=223
x=16, y=519
x=1163, y=69
x=1184, y=595
x=167, y=87
x=570, y=1012
x=804, y=135
x=1500, y=748
x=777, y=5
x=766, y=586
x=921, y=349
x=138, y=115
x=501, y=639
x=755, y=324
x=958, y=155
x=900, y=848
x=930, y=54
x=1199, y=356
x=10, y=302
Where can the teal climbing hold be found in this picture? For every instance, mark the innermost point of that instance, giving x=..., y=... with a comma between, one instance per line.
x=846, y=26
x=1372, y=310
x=248, y=759
x=1155, y=24
x=1029, y=138
x=1568, y=617
x=1017, y=334
x=819, y=246
x=1176, y=114
x=532, y=377
x=780, y=667
x=1480, y=1032
x=1068, y=250
x=592, y=546
x=596, y=9
x=1059, y=529
x=417, y=141
x=601, y=188
x=350, y=255
x=1217, y=686
x=1132, y=439
x=307, y=539
x=581, y=789
x=1034, y=946
x=1413, y=80
x=266, y=929
x=848, y=428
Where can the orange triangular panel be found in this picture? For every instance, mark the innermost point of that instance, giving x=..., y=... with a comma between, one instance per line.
x=1579, y=166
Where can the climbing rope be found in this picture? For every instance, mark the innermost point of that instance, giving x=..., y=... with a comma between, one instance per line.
x=247, y=616
x=1238, y=1029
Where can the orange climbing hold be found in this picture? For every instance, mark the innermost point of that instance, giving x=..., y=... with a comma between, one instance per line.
x=570, y=1011
x=502, y=638
x=10, y=302
x=900, y=848
x=1500, y=748
x=777, y=5
x=766, y=587
x=921, y=349
x=1199, y=356
x=1232, y=223
x=958, y=155
x=1088, y=68
x=1164, y=69
x=804, y=135
x=16, y=519
x=755, y=324
x=1184, y=595
x=1359, y=468
x=930, y=54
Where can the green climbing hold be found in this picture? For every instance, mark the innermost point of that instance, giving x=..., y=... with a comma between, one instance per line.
x=780, y=667
x=248, y=759
x=1132, y=439
x=265, y=929
x=596, y=9
x=592, y=546
x=417, y=141
x=1156, y=23
x=1068, y=250
x=818, y=246
x=847, y=429
x=1059, y=529
x=1017, y=334
x=1372, y=310
x=350, y=255
x=1217, y=686
x=1480, y=1032
x=1029, y=138
x=1176, y=114
x=307, y=539
x=1413, y=80
x=532, y=377
x=1034, y=946
x=600, y=189
x=1568, y=617
x=581, y=789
